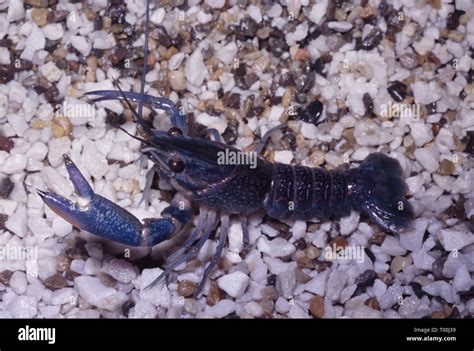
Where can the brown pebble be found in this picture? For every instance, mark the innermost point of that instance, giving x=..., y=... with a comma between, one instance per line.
x=5, y=277
x=55, y=282
x=6, y=75
x=316, y=306
x=177, y=80
x=386, y=278
x=71, y=275
x=268, y=307
x=39, y=3
x=214, y=294
x=372, y=303
x=107, y=280
x=61, y=127
x=40, y=16
x=6, y=143
x=301, y=277
x=312, y=252
x=446, y=167
x=63, y=263
x=399, y=263
x=339, y=241
x=3, y=219
x=6, y=187
x=270, y=293
x=438, y=315
x=435, y=128
x=186, y=288
x=456, y=210
x=305, y=262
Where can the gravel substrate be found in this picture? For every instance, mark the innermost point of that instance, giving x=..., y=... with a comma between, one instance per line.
x=336, y=73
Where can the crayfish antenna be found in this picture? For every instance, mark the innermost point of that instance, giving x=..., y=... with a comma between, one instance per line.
x=145, y=57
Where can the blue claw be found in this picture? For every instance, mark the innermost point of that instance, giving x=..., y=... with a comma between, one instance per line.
x=178, y=118
x=102, y=217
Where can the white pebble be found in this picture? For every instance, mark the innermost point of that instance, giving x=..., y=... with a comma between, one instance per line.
x=317, y=285
x=18, y=282
x=61, y=227
x=16, y=11
x=53, y=31
x=212, y=122
x=391, y=246
x=309, y=130
x=215, y=4
x=426, y=93
x=97, y=294
x=227, y=53
x=56, y=182
x=426, y=157
x=50, y=311
x=23, y=307
x=221, y=309
x=286, y=282
x=15, y=164
x=81, y=44
x=234, y=283
x=298, y=229
x=144, y=309
x=283, y=156
x=369, y=133
x=4, y=56
x=414, y=184
x=277, y=247
x=235, y=237
x=94, y=162
x=194, y=68
x=336, y=282
x=35, y=41
x=464, y=5
x=158, y=295
x=50, y=71
x=175, y=61
x=120, y=270
x=413, y=239
x=452, y=239
x=254, y=309
x=342, y=26
x=16, y=223
x=282, y=306
x=421, y=133
x=318, y=11
x=297, y=312
x=440, y=288
x=276, y=112
x=38, y=151
x=462, y=280
x=64, y=296
x=349, y=223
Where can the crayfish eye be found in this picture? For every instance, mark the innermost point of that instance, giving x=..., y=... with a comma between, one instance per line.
x=174, y=132
x=176, y=165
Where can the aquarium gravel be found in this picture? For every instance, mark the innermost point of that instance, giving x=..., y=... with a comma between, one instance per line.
x=346, y=78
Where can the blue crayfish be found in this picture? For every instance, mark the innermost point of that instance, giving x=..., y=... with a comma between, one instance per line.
x=191, y=166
